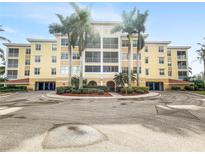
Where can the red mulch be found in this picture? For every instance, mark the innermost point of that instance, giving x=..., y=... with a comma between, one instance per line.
x=133, y=94
x=87, y=95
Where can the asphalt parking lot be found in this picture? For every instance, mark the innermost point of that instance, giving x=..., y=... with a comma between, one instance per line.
x=34, y=122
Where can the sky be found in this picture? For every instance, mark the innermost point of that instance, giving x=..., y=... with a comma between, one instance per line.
x=180, y=23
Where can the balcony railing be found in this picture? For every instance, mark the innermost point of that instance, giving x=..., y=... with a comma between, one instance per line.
x=12, y=65
x=12, y=76
x=93, y=45
x=182, y=77
x=110, y=60
x=92, y=60
x=181, y=57
x=182, y=67
x=110, y=46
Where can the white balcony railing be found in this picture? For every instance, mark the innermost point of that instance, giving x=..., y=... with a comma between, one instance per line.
x=181, y=57
x=92, y=60
x=110, y=46
x=110, y=60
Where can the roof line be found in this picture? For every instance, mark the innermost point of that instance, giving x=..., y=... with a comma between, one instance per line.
x=16, y=44
x=40, y=40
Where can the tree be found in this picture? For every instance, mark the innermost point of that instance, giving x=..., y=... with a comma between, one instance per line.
x=127, y=26
x=201, y=55
x=68, y=28
x=2, y=55
x=140, y=30
x=84, y=34
x=122, y=78
x=75, y=82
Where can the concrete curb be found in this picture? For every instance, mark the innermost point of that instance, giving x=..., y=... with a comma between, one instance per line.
x=186, y=92
x=150, y=94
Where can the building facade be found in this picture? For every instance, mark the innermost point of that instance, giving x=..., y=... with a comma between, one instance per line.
x=42, y=64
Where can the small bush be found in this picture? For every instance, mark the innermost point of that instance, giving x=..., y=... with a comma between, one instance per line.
x=175, y=88
x=141, y=90
x=13, y=88
x=123, y=90
x=100, y=92
x=189, y=87
x=60, y=90
x=118, y=89
x=105, y=88
x=129, y=90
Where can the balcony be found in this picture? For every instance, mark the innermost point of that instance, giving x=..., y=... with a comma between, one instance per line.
x=182, y=67
x=92, y=60
x=93, y=45
x=110, y=46
x=181, y=57
x=182, y=77
x=110, y=60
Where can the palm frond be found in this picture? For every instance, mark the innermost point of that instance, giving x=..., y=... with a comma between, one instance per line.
x=4, y=39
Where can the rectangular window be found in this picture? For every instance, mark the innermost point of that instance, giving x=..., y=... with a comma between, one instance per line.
x=28, y=51
x=54, y=47
x=13, y=52
x=64, y=55
x=124, y=69
x=125, y=43
x=27, y=62
x=169, y=73
x=181, y=55
x=182, y=65
x=12, y=74
x=146, y=71
x=92, y=57
x=110, y=57
x=161, y=60
x=161, y=48
x=12, y=63
x=64, y=70
x=36, y=71
x=135, y=70
x=53, y=71
x=64, y=42
x=38, y=47
x=110, y=68
x=94, y=43
x=161, y=71
x=169, y=64
x=169, y=53
x=92, y=68
x=54, y=59
x=76, y=56
x=110, y=43
x=146, y=49
x=37, y=59
x=134, y=43
x=182, y=74
x=135, y=56
x=146, y=60
x=124, y=56
x=26, y=73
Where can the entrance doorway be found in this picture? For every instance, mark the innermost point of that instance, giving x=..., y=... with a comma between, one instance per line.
x=155, y=86
x=45, y=86
x=111, y=86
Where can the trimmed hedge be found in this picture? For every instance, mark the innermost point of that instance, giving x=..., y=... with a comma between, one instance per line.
x=141, y=90
x=189, y=87
x=138, y=90
x=105, y=88
x=175, y=88
x=13, y=88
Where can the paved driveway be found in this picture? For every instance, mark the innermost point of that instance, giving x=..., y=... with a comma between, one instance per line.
x=127, y=124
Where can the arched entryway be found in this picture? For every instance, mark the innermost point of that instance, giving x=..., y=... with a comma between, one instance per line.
x=92, y=83
x=111, y=85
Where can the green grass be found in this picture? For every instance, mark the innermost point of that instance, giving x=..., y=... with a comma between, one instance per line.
x=199, y=92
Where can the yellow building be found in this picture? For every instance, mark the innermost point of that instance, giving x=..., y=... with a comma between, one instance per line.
x=42, y=64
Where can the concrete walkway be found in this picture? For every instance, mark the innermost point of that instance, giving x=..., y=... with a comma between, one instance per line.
x=114, y=95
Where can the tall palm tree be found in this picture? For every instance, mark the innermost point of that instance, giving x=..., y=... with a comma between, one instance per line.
x=201, y=55
x=67, y=27
x=127, y=26
x=84, y=33
x=2, y=54
x=140, y=30
x=122, y=78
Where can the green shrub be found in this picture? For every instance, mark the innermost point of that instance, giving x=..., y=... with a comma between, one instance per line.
x=200, y=84
x=129, y=90
x=13, y=88
x=105, y=88
x=141, y=89
x=175, y=88
x=100, y=92
x=123, y=90
x=118, y=89
x=60, y=90
x=189, y=87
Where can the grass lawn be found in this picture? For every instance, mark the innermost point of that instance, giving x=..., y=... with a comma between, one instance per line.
x=199, y=92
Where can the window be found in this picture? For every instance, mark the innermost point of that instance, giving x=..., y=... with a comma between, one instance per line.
x=110, y=68
x=161, y=48
x=110, y=57
x=134, y=43
x=12, y=63
x=92, y=57
x=181, y=55
x=135, y=56
x=76, y=70
x=54, y=47
x=92, y=68
x=27, y=73
x=64, y=55
x=27, y=62
x=135, y=70
x=12, y=74
x=53, y=59
x=170, y=73
x=76, y=55
x=13, y=52
x=64, y=70
x=37, y=59
x=182, y=74
x=182, y=65
x=124, y=69
x=64, y=42
x=111, y=43
x=146, y=49
x=161, y=71
x=146, y=71
x=36, y=71
x=38, y=47
x=161, y=60
x=94, y=43
x=53, y=71
x=124, y=56
x=169, y=64
x=146, y=60
x=125, y=43
x=28, y=51
x=169, y=53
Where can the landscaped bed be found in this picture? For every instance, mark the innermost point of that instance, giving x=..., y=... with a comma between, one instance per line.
x=132, y=91
x=106, y=94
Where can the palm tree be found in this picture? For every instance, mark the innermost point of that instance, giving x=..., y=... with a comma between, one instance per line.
x=140, y=29
x=127, y=26
x=201, y=55
x=2, y=55
x=67, y=27
x=84, y=34
x=122, y=78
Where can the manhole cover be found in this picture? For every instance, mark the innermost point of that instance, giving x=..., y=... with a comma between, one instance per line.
x=72, y=135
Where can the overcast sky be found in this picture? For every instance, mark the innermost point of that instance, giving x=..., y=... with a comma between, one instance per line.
x=181, y=23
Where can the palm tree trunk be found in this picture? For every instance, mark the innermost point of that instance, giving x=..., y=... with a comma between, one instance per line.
x=129, y=63
x=81, y=72
x=70, y=64
x=204, y=69
x=137, y=65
